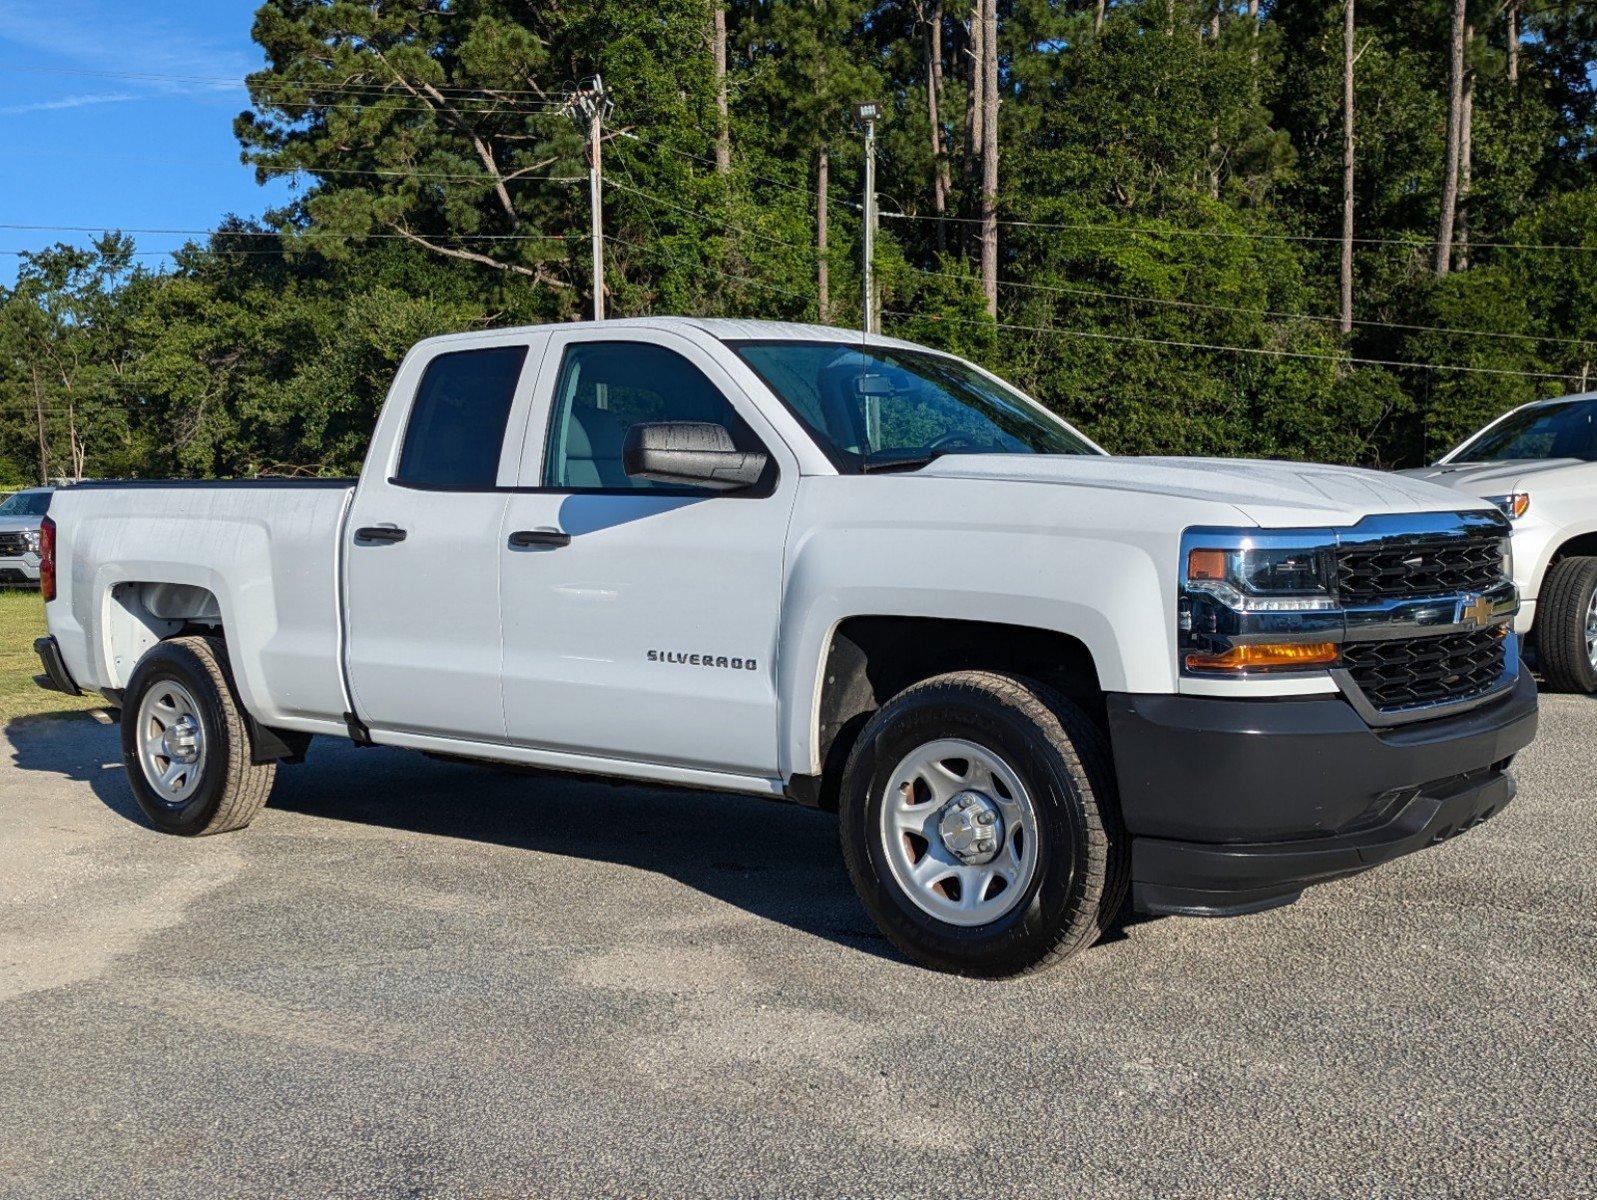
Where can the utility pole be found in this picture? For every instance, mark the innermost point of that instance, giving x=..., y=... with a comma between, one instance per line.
x=1349, y=58
x=1455, y=108
x=588, y=106
x=38, y=408
x=866, y=115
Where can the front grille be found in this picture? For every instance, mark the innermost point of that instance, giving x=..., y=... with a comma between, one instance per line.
x=13, y=545
x=1410, y=672
x=1416, y=567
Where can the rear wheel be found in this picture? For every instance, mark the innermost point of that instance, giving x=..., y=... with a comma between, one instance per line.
x=1566, y=625
x=980, y=827
x=184, y=741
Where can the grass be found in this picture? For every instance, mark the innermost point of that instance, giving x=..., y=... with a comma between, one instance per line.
x=22, y=620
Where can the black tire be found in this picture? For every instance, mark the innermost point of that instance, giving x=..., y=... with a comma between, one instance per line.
x=1063, y=760
x=231, y=789
x=1561, y=625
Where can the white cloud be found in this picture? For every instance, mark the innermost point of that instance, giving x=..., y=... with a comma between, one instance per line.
x=79, y=101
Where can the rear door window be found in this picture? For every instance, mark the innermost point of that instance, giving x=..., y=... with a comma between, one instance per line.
x=457, y=423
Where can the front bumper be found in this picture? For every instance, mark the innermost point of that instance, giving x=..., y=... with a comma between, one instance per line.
x=1238, y=805
x=22, y=571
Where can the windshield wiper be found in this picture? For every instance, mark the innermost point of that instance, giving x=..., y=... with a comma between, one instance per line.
x=871, y=465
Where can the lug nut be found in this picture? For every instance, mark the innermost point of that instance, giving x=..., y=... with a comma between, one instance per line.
x=984, y=818
x=985, y=845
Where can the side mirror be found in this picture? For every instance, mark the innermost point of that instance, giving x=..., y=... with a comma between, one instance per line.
x=691, y=453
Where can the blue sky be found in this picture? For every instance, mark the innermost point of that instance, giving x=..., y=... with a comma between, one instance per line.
x=94, y=148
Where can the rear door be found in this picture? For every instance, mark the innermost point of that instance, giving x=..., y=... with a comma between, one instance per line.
x=641, y=620
x=422, y=549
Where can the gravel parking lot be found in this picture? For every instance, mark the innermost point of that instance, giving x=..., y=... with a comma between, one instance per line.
x=416, y=978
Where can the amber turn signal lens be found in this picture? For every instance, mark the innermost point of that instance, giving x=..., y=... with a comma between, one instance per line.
x=1266, y=654
x=1206, y=564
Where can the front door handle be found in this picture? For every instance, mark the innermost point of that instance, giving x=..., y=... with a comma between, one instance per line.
x=540, y=537
x=379, y=533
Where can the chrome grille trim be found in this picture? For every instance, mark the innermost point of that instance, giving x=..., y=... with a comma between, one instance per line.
x=1403, y=605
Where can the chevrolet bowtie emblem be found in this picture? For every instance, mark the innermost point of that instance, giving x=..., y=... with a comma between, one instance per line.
x=1474, y=611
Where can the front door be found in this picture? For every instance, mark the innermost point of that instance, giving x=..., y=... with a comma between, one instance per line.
x=640, y=620
x=421, y=546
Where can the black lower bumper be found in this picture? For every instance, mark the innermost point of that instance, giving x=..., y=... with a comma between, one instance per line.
x=56, y=677
x=1238, y=805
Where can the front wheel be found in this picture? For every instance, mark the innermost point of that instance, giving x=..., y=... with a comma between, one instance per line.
x=184, y=742
x=980, y=827
x=1566, y=625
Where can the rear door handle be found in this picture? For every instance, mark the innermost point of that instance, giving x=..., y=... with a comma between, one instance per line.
x=379, y=533
x=540, y=537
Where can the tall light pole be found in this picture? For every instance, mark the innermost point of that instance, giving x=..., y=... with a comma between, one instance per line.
x=866, y=115
x=588, y=106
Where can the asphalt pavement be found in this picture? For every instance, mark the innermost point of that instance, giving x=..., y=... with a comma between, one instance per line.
x=413, y=978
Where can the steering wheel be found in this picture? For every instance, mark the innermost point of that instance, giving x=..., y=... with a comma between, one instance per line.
x=950, y=440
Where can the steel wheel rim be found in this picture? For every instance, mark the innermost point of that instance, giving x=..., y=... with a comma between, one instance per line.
x=920, y=795
x=1591, y=630
x=171, y=742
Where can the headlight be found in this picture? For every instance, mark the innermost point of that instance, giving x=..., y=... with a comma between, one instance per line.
x=1262, y=579
x=1514, y=505
x=1258, y=601
x=30, y=538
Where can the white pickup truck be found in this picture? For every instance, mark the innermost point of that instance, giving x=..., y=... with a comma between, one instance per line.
x=1538, y=463
x=857, y=573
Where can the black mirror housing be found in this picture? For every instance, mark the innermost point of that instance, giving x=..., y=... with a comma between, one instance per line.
x=690, y=454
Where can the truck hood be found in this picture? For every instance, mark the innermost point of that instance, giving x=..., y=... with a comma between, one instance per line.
x=1491, y=478
x=13, y=524
x=1270, y=494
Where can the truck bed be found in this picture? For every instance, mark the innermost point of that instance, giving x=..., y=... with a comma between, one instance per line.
x=139, y=559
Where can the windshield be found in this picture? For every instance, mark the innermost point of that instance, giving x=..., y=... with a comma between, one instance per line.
x=1548, y=431
x=26, y=504
x=875, y=406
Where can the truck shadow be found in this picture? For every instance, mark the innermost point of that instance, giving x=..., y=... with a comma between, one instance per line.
x=773, y=860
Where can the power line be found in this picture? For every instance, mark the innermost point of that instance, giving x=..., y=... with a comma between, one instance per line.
x=1257, y=350
x=279, y=99
x=1259, y=312
x=666, y=254
x=288, y=234
x=800, y=189
x=1177, y=231
x=699, y=215
x=395, y=172
x=239, y=81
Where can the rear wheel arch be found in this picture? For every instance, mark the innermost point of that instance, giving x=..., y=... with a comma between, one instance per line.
x=140, y=615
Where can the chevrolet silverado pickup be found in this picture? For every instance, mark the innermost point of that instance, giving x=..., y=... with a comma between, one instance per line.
x=21, y=515
x=1538, y=464
x=1029, y=676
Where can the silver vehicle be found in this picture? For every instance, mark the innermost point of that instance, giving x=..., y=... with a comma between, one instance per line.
x=20, y=517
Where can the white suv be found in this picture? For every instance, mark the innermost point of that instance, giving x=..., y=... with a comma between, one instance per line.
x=1538, y=464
